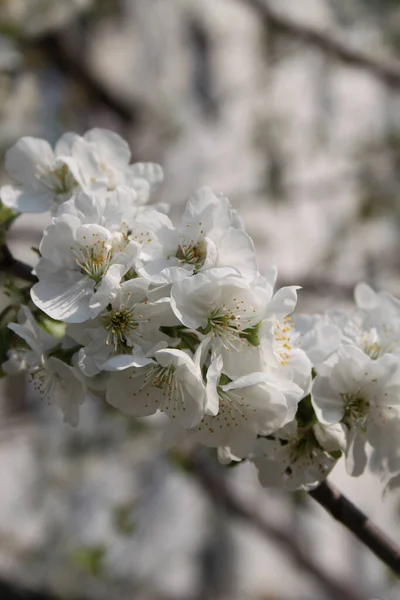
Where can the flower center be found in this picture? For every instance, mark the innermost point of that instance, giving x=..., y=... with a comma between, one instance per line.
x=192, y=254
x=225, y=323
x=120, y=324
x=43, y=380
x=93, y=260
x=301, y=451
x=60, y=179
x=374, y=351
x=357, y=407
x=164, y=378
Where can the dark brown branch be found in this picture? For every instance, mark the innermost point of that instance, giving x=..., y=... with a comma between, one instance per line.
x=64, y=58
x=219, y=492
x=387, y=71
x=14, y=267
x=351, y=517
x=11, y=591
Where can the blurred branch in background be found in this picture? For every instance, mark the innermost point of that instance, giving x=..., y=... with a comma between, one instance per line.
x=61, y=55
x=216, y=488
x=323, y=286
x=385, y=70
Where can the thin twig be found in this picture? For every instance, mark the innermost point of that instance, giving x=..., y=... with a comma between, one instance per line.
x=218, y=490
x=351, y=517
x=387, y=71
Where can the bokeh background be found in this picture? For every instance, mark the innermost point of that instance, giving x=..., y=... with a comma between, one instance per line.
x=292, y=109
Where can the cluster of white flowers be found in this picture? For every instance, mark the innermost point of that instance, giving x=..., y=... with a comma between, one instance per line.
x=179, y=319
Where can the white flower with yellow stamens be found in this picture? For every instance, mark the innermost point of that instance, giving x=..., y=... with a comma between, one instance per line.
x=56, y=382
x=75, y=258
x=126, y=324
x=240, y=410
x=221, y=305
x=294, y=458
x=46, y=178
x=271, y=346
x=171, y=383
x=207, y=237
x=364, y=395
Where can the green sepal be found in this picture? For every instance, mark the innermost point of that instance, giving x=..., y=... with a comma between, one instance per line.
x=252, y=335
x=305, y=415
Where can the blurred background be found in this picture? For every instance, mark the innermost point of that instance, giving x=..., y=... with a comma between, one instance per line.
x=292, y=109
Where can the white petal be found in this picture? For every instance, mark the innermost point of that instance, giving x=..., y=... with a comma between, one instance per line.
x=151, y=172
x=26, y=201
x=64, y=297
x=213, y=376
x=206, y=211
x=111, y=147
x=327, y=403
x=356, y=456
x=125, y=361
x=365, y=297
x=23, y=159
x=65, y=144
x=237, y=249
x=192, y=300
x=283, y=302
x=107, y=290
x=69, y=391
x=57, y=240
x=129, y=391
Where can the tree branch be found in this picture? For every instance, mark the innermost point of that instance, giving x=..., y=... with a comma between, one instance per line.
x=14, y=267
x=219, y=492
x=351, y=517
x=62, y=56
x=13, y=591
x=385, y=70
x=9, y=591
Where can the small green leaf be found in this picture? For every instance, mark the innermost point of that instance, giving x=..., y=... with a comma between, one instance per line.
x=336, y=454
x=90, y=559
x=305, y=415
x=7, y=217
x=54, y=328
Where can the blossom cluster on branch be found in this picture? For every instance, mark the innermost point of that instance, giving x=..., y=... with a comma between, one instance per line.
x=179, y=319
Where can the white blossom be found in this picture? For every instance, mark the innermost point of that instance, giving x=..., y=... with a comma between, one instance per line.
x=75, y=258
x=57, y=382
x=364, y=395
x=221, y=305
x=46, y=178
x=179, y=320
x=239, y=410
x=293, y=458
x=171, y=383
x=126, y=323
x=207, y=238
